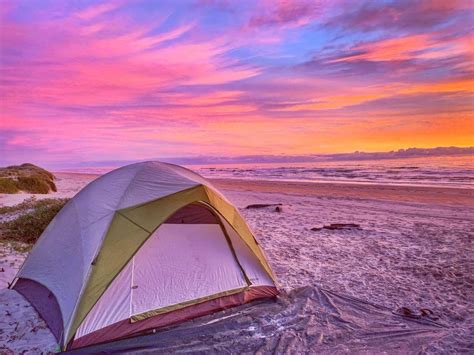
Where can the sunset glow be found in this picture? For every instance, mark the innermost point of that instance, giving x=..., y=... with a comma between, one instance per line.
x=135, y=80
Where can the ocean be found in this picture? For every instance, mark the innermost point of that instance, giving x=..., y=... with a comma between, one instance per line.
x=446, y=171
x=457, y=171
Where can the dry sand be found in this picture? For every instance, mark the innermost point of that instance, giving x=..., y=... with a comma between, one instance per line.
x=413, y=249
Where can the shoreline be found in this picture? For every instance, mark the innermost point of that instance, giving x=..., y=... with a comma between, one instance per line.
x=420, y=194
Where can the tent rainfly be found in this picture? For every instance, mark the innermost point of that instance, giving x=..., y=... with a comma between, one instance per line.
x=144, y=246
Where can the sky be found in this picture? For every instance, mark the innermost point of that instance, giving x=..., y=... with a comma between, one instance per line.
x=91, y=81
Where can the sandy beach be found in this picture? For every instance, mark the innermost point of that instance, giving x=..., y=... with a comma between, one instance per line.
x=412, y=248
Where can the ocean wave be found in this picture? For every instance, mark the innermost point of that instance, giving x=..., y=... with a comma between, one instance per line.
x=425, y=172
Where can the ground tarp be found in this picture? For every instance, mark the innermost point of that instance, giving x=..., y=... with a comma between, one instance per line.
x=307, y=319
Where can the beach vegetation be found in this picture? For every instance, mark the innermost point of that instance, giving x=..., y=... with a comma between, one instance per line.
x=30, y=219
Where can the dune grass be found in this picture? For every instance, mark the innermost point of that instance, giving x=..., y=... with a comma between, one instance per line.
x=33, y=184
x=31, y=217
x=8, y=186
x=26, y=177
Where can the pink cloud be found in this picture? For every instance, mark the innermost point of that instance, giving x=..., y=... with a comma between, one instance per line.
x=95, y=10
x=117, y=67
x=290, y=13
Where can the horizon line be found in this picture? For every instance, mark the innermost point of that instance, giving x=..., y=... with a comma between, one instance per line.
x=271, y=158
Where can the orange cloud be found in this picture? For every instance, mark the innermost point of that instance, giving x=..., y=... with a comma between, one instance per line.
x=422, y=46
x=389, y=49
x=466, y=85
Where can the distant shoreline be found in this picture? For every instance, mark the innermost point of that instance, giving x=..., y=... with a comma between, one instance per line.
x=357, y=156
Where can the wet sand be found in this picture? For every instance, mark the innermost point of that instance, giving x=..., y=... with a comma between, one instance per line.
x=413, y=249
x=395, y=193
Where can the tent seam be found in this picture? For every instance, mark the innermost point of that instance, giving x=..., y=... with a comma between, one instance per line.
x=128, y=186
x=81, y=293
x=199, y=179
x=134, y=223
x=131, y=208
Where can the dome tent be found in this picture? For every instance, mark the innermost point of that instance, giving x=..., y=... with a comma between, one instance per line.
x=144, y=246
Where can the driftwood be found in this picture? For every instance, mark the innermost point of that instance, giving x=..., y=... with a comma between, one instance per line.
x=263, y=205
x=337, y=226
